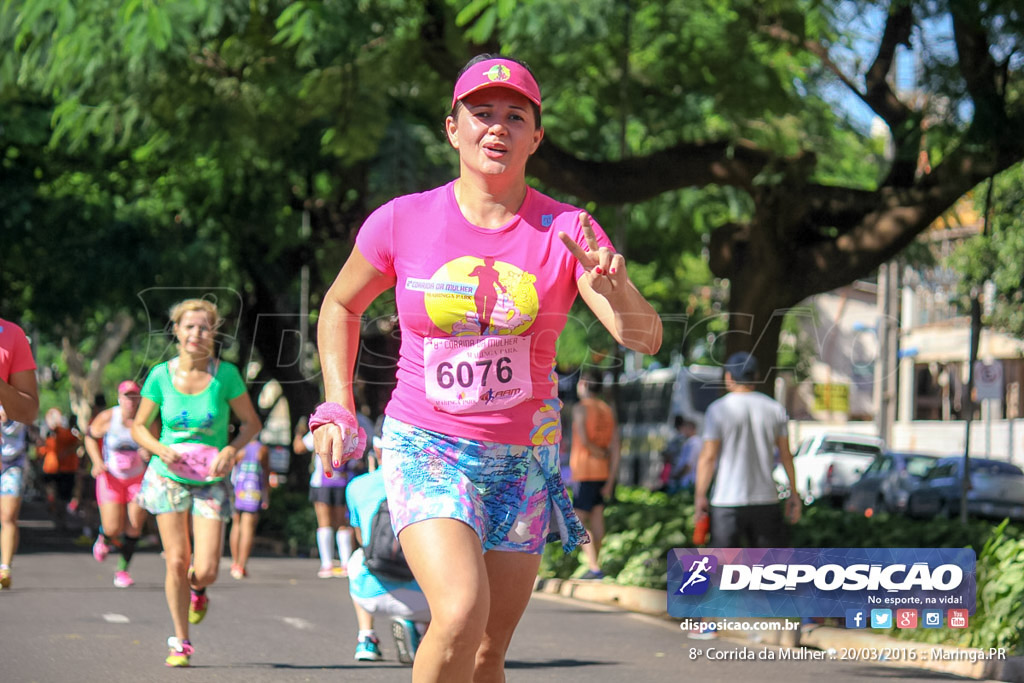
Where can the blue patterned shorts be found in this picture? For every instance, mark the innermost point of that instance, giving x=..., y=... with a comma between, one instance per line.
x=12, y=481
x=160, y=494
x=509, y=494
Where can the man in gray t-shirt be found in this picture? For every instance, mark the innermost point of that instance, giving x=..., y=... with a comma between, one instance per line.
x=742, y=431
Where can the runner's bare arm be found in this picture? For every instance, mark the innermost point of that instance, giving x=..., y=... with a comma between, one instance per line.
x=706, y=464
x=249, y=426
x=356, y=286
x=96, y=431
x=794, y=505
x=20, y=397
x=147, y=412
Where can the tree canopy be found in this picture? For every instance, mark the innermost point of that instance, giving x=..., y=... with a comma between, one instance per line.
x=154, y=146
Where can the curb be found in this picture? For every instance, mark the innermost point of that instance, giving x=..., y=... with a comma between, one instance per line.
x=859, y=645
x=643, y=600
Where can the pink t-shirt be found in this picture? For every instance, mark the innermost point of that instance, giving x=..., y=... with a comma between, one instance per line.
x=480, y=311
x=15, y=353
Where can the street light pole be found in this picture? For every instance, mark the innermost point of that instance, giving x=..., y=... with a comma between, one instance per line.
x=304, y=295
x=969, y=399
x=972, y=358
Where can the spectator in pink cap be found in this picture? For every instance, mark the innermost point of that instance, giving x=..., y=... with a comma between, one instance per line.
x=485, y=269
x=118, y=465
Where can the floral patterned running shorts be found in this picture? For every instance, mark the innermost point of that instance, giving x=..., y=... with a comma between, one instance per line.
x=160, y=494
x=510, y=495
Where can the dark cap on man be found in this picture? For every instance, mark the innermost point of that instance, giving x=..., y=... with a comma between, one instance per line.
x=742, y=366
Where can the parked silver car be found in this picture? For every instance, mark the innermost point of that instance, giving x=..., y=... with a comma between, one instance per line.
x=996, y=490
x=885, y=486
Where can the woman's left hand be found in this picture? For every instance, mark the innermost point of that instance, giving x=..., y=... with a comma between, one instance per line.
x=605, y=268
x=222, y=464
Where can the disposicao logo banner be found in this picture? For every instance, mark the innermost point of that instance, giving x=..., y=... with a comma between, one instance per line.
x=817, y=582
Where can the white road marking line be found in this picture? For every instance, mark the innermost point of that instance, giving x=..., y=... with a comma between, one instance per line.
x=298, y=623
x=115, y=618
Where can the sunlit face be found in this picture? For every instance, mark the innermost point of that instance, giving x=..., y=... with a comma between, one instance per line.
x=194, y=333
x=495, y=133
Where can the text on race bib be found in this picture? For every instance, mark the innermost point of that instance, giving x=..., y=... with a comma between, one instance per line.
x=477, y=374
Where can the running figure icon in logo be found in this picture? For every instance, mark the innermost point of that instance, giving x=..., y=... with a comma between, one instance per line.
x=697, y=577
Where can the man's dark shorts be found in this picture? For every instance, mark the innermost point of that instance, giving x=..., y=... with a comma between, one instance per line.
x=749, y=526
x=63, y=483
x=586, y=495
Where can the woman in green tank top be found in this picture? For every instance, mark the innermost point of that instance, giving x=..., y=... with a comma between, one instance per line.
x=194, y=395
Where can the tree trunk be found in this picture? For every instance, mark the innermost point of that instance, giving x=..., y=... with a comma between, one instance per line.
x=86, y=377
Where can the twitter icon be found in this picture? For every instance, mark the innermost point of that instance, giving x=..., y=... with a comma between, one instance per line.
x=881, y=618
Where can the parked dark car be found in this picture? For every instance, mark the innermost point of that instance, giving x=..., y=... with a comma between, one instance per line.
x=996, y=490
x=885, y=486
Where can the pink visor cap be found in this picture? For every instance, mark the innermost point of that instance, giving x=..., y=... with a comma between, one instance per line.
x=128, y=387
x=494, y=73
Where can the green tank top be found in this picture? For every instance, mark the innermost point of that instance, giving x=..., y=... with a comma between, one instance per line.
x=193, y=418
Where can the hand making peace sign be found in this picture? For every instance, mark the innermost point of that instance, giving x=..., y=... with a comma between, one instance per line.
x=605, y=268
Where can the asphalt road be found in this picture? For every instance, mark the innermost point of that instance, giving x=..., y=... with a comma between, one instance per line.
x=63, y=621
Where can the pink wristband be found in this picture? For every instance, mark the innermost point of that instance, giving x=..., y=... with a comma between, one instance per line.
x=352, y=434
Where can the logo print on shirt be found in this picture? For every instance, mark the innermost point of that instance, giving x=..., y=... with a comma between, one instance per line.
x=473, y=296
x=547, y=219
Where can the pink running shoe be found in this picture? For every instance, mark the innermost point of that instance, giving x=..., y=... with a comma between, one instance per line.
x=325, y=573
x=180, y=652
x=100, y=549
x=123, y=579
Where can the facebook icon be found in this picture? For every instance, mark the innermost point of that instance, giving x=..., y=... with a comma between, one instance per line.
x=856, y=618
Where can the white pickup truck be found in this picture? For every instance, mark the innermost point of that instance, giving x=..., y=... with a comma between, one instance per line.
x=828, y=464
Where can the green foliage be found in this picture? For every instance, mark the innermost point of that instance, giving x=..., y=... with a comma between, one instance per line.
x=291, y=518
x=643, y=526
x=998, y=257
x=825, y=527
x=182, y=142
x=998, y=620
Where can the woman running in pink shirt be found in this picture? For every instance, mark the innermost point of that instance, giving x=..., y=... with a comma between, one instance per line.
x=472, y=429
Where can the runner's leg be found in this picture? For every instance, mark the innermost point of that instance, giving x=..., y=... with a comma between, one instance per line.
x=343, y=535
x=174, y=536
x=135, y=517
x=247, y=532
x=324, y=535
x=445, y=556
x=233, y=536
x=112, y=519
x=209, y=546
x=511, y=577
x=10, y=506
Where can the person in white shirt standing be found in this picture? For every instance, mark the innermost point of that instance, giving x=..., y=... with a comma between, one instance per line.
x=742, y=431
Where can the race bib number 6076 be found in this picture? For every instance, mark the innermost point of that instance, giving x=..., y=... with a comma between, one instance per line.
x=476, y=374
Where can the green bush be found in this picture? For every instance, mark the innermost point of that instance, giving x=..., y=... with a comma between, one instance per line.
x=641, y=526
x=998, y=620
x=290, y=518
